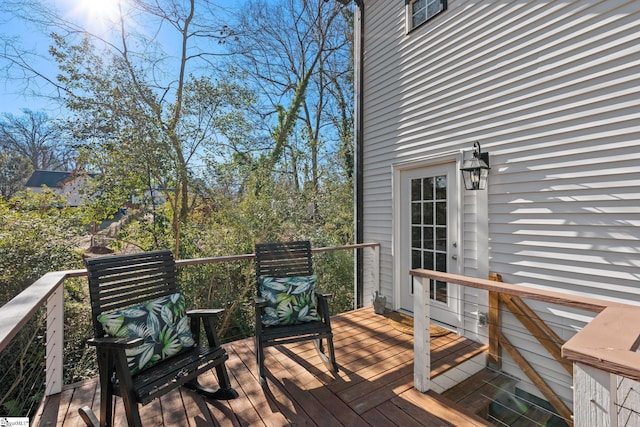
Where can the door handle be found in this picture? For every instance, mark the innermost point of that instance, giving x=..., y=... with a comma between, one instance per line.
x=454, y=256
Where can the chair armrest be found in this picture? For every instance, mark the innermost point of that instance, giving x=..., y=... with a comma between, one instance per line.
x=323, y=305
x=205, y=312
x=260, y=302
x=208, y=317
x=321, y=294
x=114, y=342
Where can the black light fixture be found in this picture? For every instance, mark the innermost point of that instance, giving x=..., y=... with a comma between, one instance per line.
x=476, y=170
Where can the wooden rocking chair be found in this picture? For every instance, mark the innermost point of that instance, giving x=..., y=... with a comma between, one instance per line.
x=130, y=287
x=277, y=263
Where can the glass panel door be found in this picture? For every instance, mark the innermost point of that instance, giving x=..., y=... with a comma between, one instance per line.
x=429, y=241
x=428, y=236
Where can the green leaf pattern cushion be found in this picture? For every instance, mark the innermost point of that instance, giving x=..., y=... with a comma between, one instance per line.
x=162, y=325
x=290, y=300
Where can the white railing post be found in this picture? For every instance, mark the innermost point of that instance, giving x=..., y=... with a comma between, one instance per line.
x=374, y=273
x=606, y=373
x=370, y=274
x=604, y=399
x=592, y=398
x=355, y=281
x=55, y=341
x=421, y=334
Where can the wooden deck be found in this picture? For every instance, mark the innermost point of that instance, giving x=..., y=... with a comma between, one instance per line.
x=374, y=385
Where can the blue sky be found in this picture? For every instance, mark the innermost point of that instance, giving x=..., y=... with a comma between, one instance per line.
x=88, y=12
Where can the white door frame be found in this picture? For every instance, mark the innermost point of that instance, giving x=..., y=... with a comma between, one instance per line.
x=451, y=157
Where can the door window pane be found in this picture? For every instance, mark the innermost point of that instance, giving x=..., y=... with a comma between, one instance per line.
x=441, y=262
x=441, y=213
x=416, y=259
x=428, y=189
x=440, y=291
x=427, y=214
x=416, y=237
x=441, y=187
x=441, y=239
x=428, y=238
x=416, y=190
x=427, y=259
x=416, y=212
x=429, y=229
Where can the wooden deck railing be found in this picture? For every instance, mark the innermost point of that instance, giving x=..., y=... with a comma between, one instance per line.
x=47, y=291
x=604, y=358
x=603, y=354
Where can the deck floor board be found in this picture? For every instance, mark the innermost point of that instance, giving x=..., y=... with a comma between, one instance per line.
x=374, y=385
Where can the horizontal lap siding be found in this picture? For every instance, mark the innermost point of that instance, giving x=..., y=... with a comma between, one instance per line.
x=565, y=322
x=380, y=128
x=552, y=90
x=575, y=219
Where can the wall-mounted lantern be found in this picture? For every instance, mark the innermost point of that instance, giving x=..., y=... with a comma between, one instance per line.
x=476, y=170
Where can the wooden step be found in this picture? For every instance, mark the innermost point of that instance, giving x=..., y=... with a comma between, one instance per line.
x=490, y=394
x=534, y=416
x=444, y=408
x=481, y=389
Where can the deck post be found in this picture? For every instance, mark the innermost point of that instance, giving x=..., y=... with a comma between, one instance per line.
x=375, y=267
x=55, y=341
x=371, y=275
x=495, y=322
x=603, y=398
x=421, y=334
x=592, y=397
x=493, y=357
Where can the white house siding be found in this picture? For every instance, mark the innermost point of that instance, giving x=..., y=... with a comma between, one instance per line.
x=552, y=90
x=384, y=32
x=71, y=189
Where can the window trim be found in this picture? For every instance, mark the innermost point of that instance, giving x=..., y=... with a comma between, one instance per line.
x=409, y=17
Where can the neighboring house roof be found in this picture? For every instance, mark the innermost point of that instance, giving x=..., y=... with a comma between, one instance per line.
x=68, y=184
x=52, y=179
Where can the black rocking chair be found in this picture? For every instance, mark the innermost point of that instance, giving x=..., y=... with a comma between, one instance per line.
x=128, y=282
x=289, y=260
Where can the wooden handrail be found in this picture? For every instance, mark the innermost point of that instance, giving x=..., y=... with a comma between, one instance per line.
x=554, y=297
x=18, y=311
x=47, y=291
x=342, y=248
x=245, y=257
x=610, y=342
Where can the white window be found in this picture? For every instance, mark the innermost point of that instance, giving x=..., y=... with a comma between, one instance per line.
x=420, y=11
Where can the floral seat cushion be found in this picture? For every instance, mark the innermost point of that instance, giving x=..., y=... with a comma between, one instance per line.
x=290, y=300
x=162, y=325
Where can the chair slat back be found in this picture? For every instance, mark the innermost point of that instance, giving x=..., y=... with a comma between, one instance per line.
x=121, y=281
x=283, y=259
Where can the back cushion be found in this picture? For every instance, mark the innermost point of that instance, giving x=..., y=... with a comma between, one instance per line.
x=290, y=300
x=162, y=325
